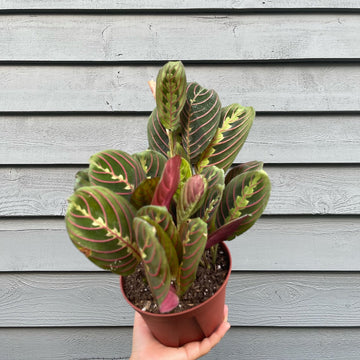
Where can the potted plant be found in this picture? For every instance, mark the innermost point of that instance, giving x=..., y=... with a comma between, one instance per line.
x=161, y=215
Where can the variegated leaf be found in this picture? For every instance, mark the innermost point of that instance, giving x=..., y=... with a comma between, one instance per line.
x=99, y=223
x=153, y=256
x=152, y=162
x=162, y=217
x=199, y=120
x=236, y=122
x=82, y=179
x=144, y=193
x=171, y=94
x=167, y=245
x=246, y=194
x=191, y=197
x=116, y=170
x=242, y=168
x=157, y=135
x=215, y=180
x=194, y=236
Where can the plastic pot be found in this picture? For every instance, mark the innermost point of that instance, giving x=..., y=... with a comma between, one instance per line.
x=190, y=325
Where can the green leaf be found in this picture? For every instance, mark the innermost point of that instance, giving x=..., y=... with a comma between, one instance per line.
x=236, y=122
x=246, y=194
x=194, y=236
x=163, y=218
x=215, y=180
x=166, y=243
x=171, y=94
x=82, y=179
x=144, y=193
x=152, y=162
x=199, y=120
x=157, y=135
x=99, y=223
x=242, y=168
x=116, y=170
x=153, y=257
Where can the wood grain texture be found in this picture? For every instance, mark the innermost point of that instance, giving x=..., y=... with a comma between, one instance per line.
x=176, y=5
x=157, y=37
x=240, y=343
x=273, y=244
x=42, y=191
x=294, y=87
x=65, y=343
x=256, y=299
x=26, y=139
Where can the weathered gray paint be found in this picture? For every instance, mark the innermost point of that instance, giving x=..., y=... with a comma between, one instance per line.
x=273, y=138
x=321, y=189
x=255, y=299
x=212, y=37
x=177, y=4
x=276, y=243
x=294, y=292
x=245, y=343
x=294, y=87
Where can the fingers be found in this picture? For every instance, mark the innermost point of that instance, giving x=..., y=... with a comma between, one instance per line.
x=226, y=313
x=198, y=349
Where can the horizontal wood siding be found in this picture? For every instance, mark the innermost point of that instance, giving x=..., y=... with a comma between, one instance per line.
x=208, y=37
x=255, y=299
x=108, y=88
x=321, y=189
x=216, y=5
x=275, y=243
x=73, y=81
x=275, y=139
x=259, y=343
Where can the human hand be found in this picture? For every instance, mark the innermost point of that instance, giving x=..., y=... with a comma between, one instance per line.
x=146, y=347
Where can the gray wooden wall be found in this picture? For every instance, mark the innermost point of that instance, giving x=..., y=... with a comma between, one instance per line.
x=73, y=81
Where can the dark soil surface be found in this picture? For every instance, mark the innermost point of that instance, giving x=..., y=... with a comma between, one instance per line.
x=207, y=282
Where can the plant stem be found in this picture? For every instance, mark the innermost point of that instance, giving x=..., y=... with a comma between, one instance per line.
x=214, y=250
x=206, y=263
x=171, y=142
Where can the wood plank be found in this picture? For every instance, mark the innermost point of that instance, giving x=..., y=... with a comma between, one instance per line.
x=295, y=87
x=42, y=191
x=175, y=5
x=273, y=244
x=255, y=299
x=154, y=37
x=65, y=344
x=273, y=138
x=239, y=343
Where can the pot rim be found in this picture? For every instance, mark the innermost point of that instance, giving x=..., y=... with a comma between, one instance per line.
x=187, y=311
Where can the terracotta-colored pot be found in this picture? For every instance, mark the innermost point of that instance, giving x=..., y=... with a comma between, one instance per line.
x=190, y=325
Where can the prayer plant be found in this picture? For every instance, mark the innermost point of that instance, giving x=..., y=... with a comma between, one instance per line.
x=166, y=205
